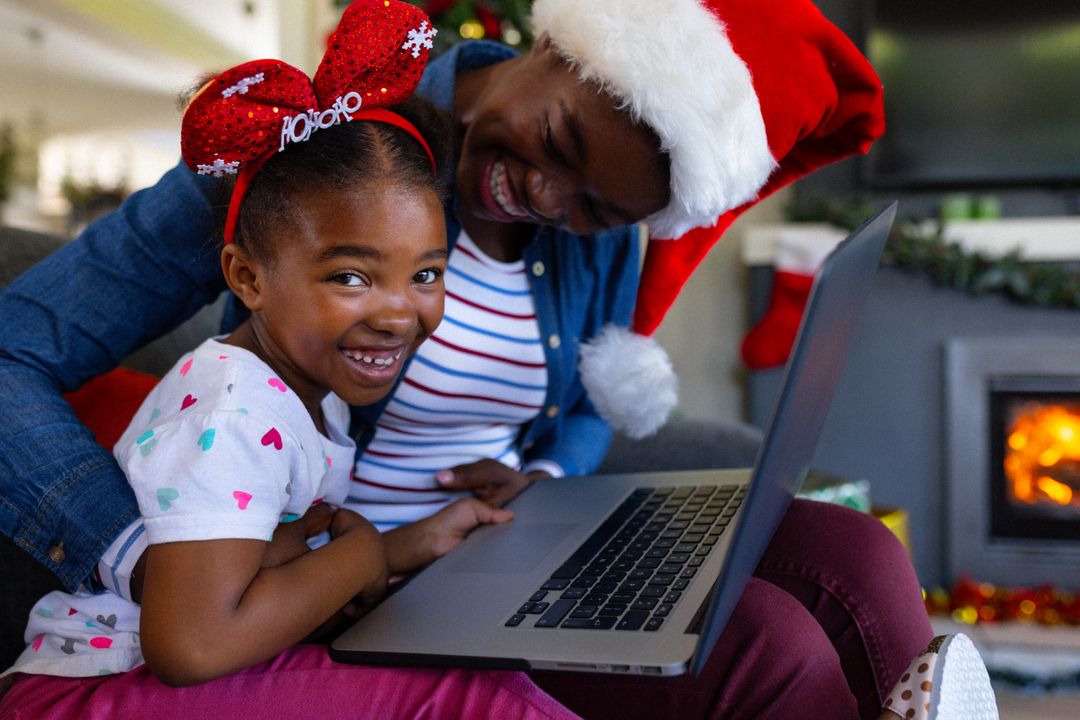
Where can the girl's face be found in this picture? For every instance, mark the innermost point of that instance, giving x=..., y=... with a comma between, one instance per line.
x=539, y=146
x=354, y=285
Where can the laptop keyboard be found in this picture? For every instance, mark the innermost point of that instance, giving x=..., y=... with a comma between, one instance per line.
x=632, y=571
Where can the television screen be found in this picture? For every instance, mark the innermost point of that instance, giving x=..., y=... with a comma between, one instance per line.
x=977, y=92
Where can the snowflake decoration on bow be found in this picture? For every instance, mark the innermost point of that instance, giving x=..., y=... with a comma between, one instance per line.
x=421, y=38
x=219, y=168
x=242, y=86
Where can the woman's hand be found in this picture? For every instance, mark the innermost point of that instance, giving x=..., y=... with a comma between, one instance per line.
x=490, y=480
x=412, y=546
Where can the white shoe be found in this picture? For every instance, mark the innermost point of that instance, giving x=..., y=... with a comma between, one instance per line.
x=947, y=681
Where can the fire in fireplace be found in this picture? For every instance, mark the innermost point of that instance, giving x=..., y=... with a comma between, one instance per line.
x=1036, y=458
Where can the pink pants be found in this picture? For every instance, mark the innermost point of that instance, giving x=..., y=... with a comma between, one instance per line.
x=824, y=629
x=299, y=683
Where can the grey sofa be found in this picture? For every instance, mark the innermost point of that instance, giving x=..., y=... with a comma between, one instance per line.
x=680, y=445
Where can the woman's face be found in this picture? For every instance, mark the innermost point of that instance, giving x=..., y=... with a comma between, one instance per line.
x=539, y=146
x=354, y=286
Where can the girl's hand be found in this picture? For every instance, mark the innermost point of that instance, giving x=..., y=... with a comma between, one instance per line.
x=341, y=522
x=490, y=480
x=412, y=546
x=290, y=539
x=346, y=521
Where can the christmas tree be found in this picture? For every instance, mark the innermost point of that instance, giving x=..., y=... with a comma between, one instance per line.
x=457, y=20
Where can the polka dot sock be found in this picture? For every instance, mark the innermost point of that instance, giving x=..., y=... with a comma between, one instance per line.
x=947, y=681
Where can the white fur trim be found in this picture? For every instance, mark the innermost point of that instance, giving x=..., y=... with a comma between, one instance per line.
x=630, y=380
x=804, y=250
x=671, y=63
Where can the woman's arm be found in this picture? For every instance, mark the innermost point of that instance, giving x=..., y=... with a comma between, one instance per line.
x=210, y=608
x=129, y=278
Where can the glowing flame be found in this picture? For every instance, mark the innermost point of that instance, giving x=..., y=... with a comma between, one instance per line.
x=1042, y=462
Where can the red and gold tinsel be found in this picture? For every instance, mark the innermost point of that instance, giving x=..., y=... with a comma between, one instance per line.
x=972, y=602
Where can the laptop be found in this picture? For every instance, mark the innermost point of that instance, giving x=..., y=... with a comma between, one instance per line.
x=632, y=573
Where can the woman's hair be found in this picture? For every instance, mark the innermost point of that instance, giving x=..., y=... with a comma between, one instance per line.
x=344, y=157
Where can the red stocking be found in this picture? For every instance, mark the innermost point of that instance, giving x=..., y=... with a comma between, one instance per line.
x=799, y=254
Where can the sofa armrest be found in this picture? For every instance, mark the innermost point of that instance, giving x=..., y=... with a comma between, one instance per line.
x=686, y=445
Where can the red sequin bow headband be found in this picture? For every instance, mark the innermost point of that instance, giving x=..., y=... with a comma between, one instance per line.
x=239, y=119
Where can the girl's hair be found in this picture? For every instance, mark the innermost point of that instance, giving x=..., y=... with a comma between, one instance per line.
x=344, y=157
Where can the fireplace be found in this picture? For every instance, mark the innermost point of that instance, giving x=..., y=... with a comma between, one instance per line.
x=1013, y=459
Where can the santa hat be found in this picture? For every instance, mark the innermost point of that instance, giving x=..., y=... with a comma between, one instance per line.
x=746, y=96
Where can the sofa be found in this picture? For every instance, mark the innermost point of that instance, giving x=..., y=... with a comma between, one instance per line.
x=682, y=444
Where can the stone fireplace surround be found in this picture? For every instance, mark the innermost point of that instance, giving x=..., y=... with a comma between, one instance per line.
x=971, y=365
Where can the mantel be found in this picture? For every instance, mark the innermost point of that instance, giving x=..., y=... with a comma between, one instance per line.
x=1037, y=238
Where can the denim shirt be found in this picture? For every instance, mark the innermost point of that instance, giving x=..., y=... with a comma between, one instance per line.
x=141, y=271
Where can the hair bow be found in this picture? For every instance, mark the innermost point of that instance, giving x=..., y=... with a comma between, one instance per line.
x=243, y=116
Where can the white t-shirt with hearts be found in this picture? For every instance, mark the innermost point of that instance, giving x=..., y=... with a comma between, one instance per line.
x=220, y=449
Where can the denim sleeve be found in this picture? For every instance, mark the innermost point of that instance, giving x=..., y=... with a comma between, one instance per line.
x=129, y=278
x=577, y=444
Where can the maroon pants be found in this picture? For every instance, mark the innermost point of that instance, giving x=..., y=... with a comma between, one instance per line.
x=831, y=619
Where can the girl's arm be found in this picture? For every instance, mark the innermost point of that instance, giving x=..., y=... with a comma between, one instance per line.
x=210, y=609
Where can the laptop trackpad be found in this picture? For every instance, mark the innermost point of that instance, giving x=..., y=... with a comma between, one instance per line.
x=518, y=549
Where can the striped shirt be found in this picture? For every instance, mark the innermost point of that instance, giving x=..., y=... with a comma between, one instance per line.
x=468, y=391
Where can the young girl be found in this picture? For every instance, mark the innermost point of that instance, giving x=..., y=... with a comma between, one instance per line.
x=335, y=241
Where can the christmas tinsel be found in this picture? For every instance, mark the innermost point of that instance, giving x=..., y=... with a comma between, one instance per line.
x=922, y=245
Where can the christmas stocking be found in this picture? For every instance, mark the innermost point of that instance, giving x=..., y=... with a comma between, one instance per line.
x=799, y=254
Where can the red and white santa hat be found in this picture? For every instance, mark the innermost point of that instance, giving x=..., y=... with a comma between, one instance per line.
x=746, y=97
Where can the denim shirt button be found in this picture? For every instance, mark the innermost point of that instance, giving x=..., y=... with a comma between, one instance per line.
x=554, y=342
x=552, y=411
x=538, y=268
x=56, y=553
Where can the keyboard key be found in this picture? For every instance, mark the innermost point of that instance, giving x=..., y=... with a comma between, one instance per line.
x=632, y=620
x=612, y=610
x=555, y=613
x=663, y=610
x=574, y=594
x=644, y=603
x=525, y=608
x=555, y=584
x=600, y=622
x=538, y=608
x=653, y=624
x=515, y=620
x=538, y=596
x=653, y=591
x=672, y=597
x=584, y=611
x=680, y=584
x=664, y=579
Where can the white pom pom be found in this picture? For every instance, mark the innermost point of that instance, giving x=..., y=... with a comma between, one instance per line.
x=630, y=380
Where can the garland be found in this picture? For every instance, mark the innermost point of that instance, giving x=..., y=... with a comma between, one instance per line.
x=921, y=246
x=972, y=602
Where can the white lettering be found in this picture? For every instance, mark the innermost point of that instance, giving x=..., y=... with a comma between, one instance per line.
x=298, y=128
